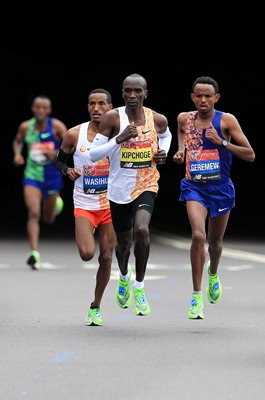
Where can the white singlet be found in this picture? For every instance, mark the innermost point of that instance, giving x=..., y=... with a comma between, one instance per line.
x=132, y=169
x=90, y=190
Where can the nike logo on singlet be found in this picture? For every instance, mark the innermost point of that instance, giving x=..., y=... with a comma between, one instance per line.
x=45, y=135
x=144, y=132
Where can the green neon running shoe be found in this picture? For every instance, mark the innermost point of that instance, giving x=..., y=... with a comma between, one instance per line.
x=123, y=291
x=93, y=317
x=141, y=304
x=59, y=205
x=196, y=310
x=34, y=260
x=214, y=290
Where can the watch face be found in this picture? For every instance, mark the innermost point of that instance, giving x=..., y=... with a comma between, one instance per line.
x=224, y=143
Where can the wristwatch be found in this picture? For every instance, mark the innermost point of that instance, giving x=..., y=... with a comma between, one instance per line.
x=64, y=171
x=224, y=143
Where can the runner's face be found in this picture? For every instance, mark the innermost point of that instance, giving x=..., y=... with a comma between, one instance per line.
x=133, y=92
x=41, y=108
x=204, y=97
x=97, y=106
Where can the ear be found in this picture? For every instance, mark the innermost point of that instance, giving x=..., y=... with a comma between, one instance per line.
x=217, y=97
x=146, y=94
x=110, y=106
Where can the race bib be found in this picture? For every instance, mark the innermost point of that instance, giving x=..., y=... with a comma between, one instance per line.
x=95, y=178
x=136, y=154
x=37, y=152
x=207, y=167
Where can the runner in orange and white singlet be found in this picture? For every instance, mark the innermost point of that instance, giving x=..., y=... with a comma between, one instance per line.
x=91, y=205
x=136, y=139
x=132, y=167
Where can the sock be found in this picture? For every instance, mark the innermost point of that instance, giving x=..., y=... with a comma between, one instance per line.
x=197, y=292
x=138, y=285
x=211, y=273
x=92, y=306
x=125, y=277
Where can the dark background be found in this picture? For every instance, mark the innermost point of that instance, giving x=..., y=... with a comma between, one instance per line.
x=67, y=67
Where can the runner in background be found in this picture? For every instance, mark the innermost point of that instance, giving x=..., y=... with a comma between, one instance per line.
x=42, y=183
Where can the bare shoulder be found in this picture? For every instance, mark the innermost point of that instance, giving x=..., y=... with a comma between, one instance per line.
x=229, y=117
x=112, y=114
x=110, y=122
x=110, y=118
x=182, y=117
x=58, y=125
x=74, y=131
x=22, y=130
x=113, y=111
x=23, y=127
x=70, y=138
x=229, y=120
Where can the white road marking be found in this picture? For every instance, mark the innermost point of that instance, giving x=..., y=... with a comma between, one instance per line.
x=177, y=243
x=238, y=267
x=47, y=265
x=229, y=253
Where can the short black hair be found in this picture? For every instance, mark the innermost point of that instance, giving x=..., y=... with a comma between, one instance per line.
x=138, y=76
x=41, y=96
x=100, y=90
x=207, y=80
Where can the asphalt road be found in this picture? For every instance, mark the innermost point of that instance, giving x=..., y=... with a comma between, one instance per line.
x=47, y=352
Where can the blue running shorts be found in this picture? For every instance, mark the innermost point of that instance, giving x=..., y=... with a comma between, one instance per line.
x=218, y=199
x=47, y=188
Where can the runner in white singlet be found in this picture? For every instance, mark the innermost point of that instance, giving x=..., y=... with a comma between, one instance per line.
x=91, y=205
x=136, y=139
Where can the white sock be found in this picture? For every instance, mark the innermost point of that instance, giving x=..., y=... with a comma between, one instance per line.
x=198, y=292
x=125, y=277
x=138, y=285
